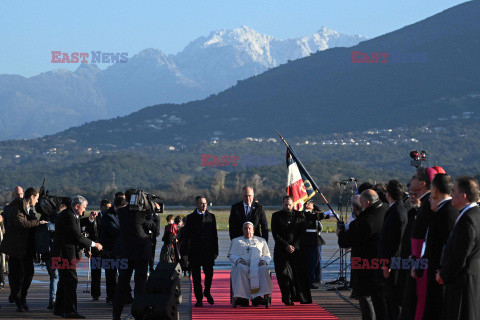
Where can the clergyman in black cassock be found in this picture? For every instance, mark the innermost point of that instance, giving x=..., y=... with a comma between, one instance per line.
x=461, y=256
x=288, y=228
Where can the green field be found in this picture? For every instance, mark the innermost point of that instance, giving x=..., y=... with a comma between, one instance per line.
x=329, y=225
x=222, y=219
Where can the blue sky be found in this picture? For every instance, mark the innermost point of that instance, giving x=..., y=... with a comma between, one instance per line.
x=30, y=30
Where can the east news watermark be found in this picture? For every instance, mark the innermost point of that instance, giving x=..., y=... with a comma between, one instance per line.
x=83, y=263
x=92, y=57
x=389, y=57
x=394, y=263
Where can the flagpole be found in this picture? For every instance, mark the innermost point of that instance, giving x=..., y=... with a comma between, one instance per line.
x=314, y=184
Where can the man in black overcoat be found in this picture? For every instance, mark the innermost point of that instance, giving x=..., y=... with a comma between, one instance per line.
x=390, y=245
x=200, y=248
x=460, y=271
x=67, y=245
x=109, y=233
x=288, y=229
x=247, y=210
x=362, y=237
x=20, y=247
x=93, y=227
x=439, y=229
x=134, y=244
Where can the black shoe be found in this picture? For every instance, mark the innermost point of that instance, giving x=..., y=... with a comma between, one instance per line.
x=51, y=305
x=73, y=315
x=199, y=304
x=95, y=298
x=24, y=305
x=19, y=308
x=57, y=313
x=2, y=285
x=312, y=286
x=258, y=301
x=109, y=301
x=209, y=298
x=11, y=299
x=288, y=302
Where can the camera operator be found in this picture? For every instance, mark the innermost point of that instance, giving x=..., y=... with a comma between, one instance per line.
x=18, y=246
x=135, y=245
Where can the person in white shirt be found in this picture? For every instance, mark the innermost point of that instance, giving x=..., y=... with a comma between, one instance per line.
x=250, y=276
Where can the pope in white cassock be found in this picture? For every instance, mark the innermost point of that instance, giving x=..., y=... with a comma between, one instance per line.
x=250, y=276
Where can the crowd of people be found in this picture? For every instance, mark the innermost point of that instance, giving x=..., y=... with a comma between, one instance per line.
x=415, y=254
x=415, y=249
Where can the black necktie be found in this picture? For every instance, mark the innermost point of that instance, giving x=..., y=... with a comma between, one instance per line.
x=247, y=212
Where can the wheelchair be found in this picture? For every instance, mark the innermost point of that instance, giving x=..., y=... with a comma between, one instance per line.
x=234, y=301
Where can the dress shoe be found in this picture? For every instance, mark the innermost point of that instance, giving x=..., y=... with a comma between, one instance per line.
x=19, y=308
x=57, y=313
x=258, y=301
x=73, y=315
x=109, y=301
x=2, y=285
x=209, y=298
x=11, y=299
x=95, y=298
x=288, y=302
x=51, y=304
x=24, y=305
x=312, y=286
x=199, y=304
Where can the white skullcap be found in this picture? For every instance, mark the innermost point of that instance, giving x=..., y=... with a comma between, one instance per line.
x=248, y=222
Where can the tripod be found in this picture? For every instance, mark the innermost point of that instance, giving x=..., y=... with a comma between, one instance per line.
x=342, y=279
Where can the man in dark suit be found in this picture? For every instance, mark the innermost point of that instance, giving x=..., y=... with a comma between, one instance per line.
x=67, y=244
x=389, y=246
x=460, y=271
x=134, y=245
x=288, y=229
x=92, y=227
x=200, y=248
x=439, y=229
x=19, y=246
x=362, y=237
x=247, y=210
x=109, y=233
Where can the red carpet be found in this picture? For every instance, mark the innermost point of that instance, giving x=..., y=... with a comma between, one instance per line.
x=222, y=309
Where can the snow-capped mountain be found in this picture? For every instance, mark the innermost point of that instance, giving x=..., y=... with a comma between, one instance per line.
x=61, y=99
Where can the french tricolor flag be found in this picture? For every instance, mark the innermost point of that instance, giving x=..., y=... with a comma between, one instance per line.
x=298, y=185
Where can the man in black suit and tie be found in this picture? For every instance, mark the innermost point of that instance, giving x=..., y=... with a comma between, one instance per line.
x=247, y=210
x=460, y=271
x=389, y=247
x=200, y=248
x=440, y=226
x=134, y=245
x=363, y=236
x=67, y=244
